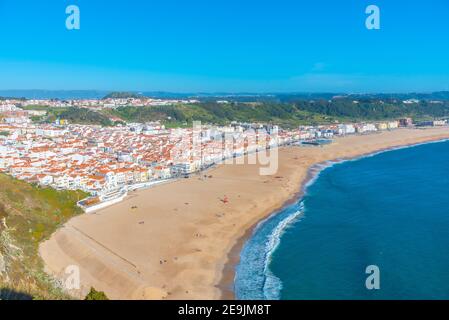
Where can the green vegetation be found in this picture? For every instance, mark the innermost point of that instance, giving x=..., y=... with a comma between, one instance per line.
x=51, y=115
x=300, y=112
x=36, y=107
x=374, y=109
x=183, y=115
x=37, y=119
x=29, y=215
x=4, y=133
x=289, y=113
x=96, y=295
x=84, y=116
x=122, y=95
x=72, y=114
x=325, y=111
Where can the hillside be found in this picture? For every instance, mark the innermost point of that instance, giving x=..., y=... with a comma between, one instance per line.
x=84, y=116
x=287, y=114
x=374, y=109
x=72, y=114
x=29, y=215
x=297, y=112
x=122, y=95
x=211, y=112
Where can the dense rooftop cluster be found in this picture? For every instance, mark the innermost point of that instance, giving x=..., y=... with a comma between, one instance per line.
x=100, y=159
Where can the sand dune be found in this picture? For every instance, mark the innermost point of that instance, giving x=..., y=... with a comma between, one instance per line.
x=182, y=241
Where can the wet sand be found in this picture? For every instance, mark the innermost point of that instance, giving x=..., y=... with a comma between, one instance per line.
x=182, y=241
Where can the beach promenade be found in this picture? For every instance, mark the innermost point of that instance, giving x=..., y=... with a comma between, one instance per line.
x=181, y=240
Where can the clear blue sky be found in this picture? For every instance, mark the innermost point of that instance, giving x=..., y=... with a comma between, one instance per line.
x=225, y=45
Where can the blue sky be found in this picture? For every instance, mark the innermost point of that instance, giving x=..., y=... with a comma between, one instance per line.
x=225, y=45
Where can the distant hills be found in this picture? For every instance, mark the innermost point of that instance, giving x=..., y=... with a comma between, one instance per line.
x=123, y=95
x=239, y=97
x=54, y=94
x=439, y=95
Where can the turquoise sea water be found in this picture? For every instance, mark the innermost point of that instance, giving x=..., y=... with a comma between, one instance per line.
x=390, y=210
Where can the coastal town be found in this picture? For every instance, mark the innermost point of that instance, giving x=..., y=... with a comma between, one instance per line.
x=223, y=159
x=106, y=162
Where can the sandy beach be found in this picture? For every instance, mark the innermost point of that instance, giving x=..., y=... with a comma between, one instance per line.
x=180, y=240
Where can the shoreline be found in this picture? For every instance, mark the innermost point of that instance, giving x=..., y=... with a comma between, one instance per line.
x=226, y=284
x=195, y=239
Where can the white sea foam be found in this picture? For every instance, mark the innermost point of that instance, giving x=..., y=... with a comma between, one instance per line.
x=273, y=285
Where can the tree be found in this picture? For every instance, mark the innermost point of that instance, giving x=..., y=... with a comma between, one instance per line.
x=96, y=295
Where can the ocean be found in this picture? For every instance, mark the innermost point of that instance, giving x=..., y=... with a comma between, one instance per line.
x=389, y=210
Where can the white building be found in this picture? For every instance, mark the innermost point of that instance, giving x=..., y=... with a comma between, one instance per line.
x=393, y=124
x=367, y=127
x=182, y=168
x=346, y=129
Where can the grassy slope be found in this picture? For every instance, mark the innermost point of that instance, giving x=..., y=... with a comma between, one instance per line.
x=29, y=215
x=287, y=115
x=181, y=115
